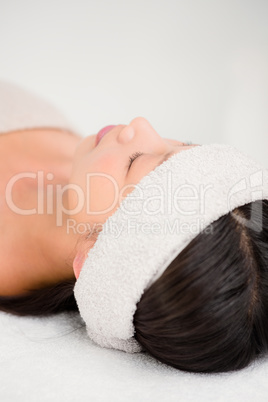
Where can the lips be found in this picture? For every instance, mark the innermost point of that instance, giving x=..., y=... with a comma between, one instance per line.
x=102, y=133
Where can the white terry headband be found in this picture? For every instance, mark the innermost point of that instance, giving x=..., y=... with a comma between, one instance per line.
x=167, y=209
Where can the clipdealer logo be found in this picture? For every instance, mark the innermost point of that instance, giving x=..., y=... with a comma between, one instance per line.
x=255, y=187
x=185, y=198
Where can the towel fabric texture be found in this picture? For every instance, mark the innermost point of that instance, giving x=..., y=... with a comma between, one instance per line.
x=153, y=224
x=150, y=229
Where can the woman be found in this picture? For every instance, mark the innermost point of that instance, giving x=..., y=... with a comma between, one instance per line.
x=42, y=220
x=60, y=189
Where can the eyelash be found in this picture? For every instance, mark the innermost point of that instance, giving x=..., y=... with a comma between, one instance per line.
x=137, y=154
x=133, y=157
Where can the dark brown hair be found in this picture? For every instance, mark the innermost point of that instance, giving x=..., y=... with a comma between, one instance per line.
x=45, y=301
x=208, y=311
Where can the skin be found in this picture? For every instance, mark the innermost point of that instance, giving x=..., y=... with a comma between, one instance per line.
x=70, y=158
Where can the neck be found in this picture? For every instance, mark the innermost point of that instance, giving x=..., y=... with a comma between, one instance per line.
x=39, y=249
x=58, y=242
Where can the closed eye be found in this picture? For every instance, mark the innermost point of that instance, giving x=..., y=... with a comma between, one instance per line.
x=166, y=156
x=133, y=157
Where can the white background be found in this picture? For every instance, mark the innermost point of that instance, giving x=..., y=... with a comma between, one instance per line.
x=197, y=70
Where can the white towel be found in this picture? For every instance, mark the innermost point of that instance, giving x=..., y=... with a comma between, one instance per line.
x=22, y=109
x=129, y=255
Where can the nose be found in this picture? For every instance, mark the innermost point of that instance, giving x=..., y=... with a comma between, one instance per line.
x=139, y=128
x=126, y=135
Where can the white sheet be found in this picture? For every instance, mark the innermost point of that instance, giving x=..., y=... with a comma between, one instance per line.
x=52, y=359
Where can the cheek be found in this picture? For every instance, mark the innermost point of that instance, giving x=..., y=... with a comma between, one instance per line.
x=102, y=194
x=104, y=162
x=91, y=165
x=98, y=179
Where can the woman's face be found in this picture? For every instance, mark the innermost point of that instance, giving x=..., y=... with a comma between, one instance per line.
x=102, y=176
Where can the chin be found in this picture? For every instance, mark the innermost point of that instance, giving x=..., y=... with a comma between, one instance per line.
x=86, y=145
